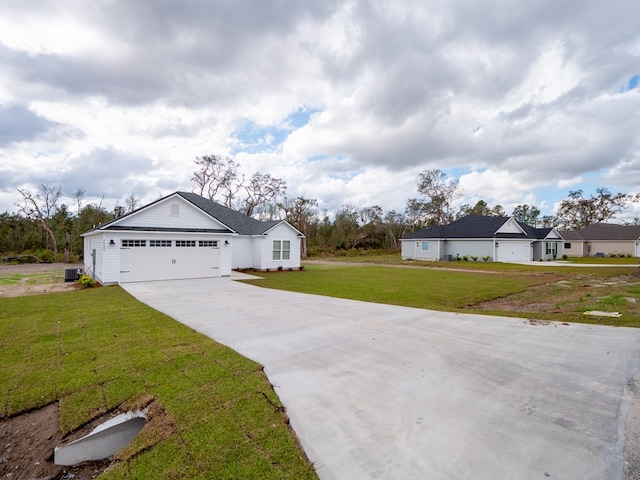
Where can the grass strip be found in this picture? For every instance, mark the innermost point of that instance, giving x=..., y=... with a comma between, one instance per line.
x=93, y=350
x=560, y=294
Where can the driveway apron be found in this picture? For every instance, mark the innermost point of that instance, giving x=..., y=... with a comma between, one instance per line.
x=385, y=392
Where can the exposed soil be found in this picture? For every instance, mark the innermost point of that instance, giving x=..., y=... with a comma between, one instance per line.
x=28, y=442
x=569, y=295
x=50, y=278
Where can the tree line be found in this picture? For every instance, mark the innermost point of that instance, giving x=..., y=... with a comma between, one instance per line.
x=44, y=229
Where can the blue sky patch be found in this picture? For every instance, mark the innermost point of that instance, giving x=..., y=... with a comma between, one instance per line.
x=252, y=137
x=633, y=82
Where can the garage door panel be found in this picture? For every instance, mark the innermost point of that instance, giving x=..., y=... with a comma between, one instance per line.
x=514, y=251
x=166, y=263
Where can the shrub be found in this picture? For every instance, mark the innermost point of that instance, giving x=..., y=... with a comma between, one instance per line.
x=87, y=281
x=474, y=258
x=46, y=256
x=486, y=258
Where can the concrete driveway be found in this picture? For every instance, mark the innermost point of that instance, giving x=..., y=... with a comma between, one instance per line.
x=376, y=391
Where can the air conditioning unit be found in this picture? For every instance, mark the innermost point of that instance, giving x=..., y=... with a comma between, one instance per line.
x=72, y=274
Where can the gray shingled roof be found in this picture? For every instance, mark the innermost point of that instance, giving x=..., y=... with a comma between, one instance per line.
x=239, y=222
x=235, y=221
x=478, y=226
x=604, y=231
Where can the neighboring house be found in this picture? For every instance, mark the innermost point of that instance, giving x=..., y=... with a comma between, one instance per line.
x=184, y=235
x=501, y=239
x=602, y=240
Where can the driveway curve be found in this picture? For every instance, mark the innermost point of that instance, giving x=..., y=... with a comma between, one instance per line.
x=385, y=392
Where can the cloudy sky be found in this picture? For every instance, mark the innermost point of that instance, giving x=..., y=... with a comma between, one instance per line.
x=347, y=100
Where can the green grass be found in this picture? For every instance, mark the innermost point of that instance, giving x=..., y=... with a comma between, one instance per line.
x=96, y=349
x=413, y=287
x=542, y=292
x=32, y=278
x=11, y=279
x=602, y=260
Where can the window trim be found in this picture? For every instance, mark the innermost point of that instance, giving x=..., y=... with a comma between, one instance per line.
x=132, y=243
x=208, y=243
x=160, y=243
x=185, y=243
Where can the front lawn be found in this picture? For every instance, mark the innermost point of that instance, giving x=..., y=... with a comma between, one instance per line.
x=530, y=291
x=94, y=350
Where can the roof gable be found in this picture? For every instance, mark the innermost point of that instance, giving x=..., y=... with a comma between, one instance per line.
x=510, y=226
x=204, y=215
x=169, y=212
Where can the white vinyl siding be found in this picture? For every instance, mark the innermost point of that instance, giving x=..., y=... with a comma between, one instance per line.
x=473, y=248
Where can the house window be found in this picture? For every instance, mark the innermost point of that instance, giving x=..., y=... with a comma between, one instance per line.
x=159, y=243
x=551, y=248
x=134, y=243
x=175, y=209
x=281, y=250
x=567, y=245
x=185, y=243
x=207, y=243
x=424, y=246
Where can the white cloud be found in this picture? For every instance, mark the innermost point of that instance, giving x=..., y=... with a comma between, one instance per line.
x=529, y=99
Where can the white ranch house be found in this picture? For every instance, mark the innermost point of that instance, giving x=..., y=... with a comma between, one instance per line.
x=501, y=239
x=184, y=235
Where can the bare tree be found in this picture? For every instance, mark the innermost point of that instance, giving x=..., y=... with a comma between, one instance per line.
x=261, y=189
x=217, y=178
x=300, y=212
x=79, y=195
x=131, y=203
x=439, y=192
x=576, y=211
x=41, y=207
x=416, y=213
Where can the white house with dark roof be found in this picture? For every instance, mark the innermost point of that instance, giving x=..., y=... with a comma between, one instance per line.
x=501, y=239
x=184, y=235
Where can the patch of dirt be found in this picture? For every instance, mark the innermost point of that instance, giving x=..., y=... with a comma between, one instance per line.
x=28, y=441
x=50, y=279
x=564, y=296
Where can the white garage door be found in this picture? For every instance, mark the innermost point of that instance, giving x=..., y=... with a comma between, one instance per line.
x=514, y=251
x=142, y=260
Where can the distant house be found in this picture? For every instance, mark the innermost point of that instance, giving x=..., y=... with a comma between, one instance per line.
x=602, y=240
x=184, y=235
x=501, y=239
